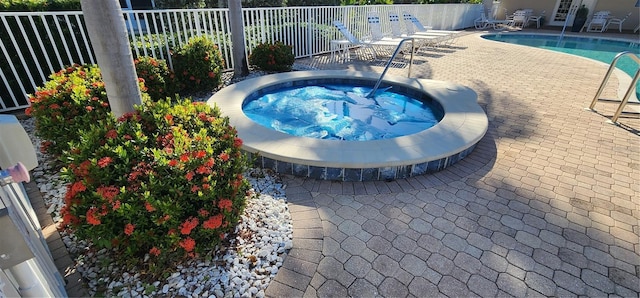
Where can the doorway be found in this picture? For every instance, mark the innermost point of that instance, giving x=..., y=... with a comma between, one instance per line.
x=566, y=9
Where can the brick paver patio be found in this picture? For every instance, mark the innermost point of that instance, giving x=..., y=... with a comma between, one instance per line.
x=546, y=205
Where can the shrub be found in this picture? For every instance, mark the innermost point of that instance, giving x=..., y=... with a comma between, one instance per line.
x=197, y=65
x=155, y=74
x=72, y=100
x=39, y=5
x=272, y=57
x=164, y=182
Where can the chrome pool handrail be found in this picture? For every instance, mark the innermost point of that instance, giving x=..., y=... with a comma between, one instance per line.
x=627, y=95
x=375, y=88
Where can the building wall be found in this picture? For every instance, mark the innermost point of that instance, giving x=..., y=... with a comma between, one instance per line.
x=618, y=8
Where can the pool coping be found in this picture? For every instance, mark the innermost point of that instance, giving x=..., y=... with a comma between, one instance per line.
x=624, y=79
x=462, y=126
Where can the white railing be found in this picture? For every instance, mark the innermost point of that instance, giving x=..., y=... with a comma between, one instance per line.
x=27, y=267
x=36, y=44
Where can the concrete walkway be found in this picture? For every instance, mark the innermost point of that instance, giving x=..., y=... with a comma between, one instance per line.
x=546, y=205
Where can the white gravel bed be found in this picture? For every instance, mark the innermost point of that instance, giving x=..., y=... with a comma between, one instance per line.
x=244, y=269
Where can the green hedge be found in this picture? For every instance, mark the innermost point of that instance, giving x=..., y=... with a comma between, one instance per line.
x=39, y=5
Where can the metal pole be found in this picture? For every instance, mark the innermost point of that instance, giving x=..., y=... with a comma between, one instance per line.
x=614, y=119
x=375, y=88
x=572, y=10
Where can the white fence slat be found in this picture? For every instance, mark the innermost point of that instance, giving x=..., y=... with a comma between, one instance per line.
x=42, y=48
x=33, y=54
x=54, y=44
x=84, y=38
x=73, y=38
x=13, y=96
x=61, y=35
x=20, y=56
x=14, y=71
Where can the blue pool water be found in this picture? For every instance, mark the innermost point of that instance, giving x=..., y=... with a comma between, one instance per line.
x=603, y=50
x=341, y=112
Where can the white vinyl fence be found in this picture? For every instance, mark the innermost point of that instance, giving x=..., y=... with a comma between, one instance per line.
x=36, y=44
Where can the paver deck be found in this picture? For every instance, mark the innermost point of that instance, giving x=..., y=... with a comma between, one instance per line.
x=547, y=204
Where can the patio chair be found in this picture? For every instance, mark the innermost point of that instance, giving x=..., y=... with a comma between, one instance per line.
x=369, y=44
x=375, y=28
x=483, y=22
x=617, y=21
x=519, y=18
x=598, y=22
x=427, y=39
x=414, y=27
x=536, y=19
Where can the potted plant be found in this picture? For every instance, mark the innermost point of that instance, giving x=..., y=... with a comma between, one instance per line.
x=580, y=18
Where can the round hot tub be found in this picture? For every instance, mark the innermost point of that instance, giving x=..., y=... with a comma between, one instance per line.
x=460, y=128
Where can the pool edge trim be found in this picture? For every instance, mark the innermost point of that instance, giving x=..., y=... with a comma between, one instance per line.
x=462, y=127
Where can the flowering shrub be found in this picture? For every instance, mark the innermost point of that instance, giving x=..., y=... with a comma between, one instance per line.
x=155, y=74
x=73, y=99
x=165, y=182
x=272, y=57
x=197, y=65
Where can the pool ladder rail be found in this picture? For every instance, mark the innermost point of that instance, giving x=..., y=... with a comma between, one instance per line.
x=627, y=95
x=375, y=88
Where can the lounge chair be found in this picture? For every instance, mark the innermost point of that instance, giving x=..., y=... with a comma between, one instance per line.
x=617, y=21
x=483, y=22
x=369, y=44
x=414, y=27
x=519, y=18
x=431, y=40
x=598, y=22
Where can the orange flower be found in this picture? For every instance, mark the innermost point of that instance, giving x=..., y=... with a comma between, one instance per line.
x=128, y=229
x=154, y=251
x=184, y=157
x=108, y=192
x=105, y=161
x=224, y=156
x=173, y=163
x=92, y=219
x=200, y=154
x=169, y=119
x=149, y=207
x=89, y=108
x=111, y=134
x=210, y=162
x=188, y=244
x=213, y=222
x=203, y=170
x=188, y=225
x=225, y=204
x=237, y=142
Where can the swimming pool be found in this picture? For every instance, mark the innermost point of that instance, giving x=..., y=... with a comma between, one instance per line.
x=603, y=50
